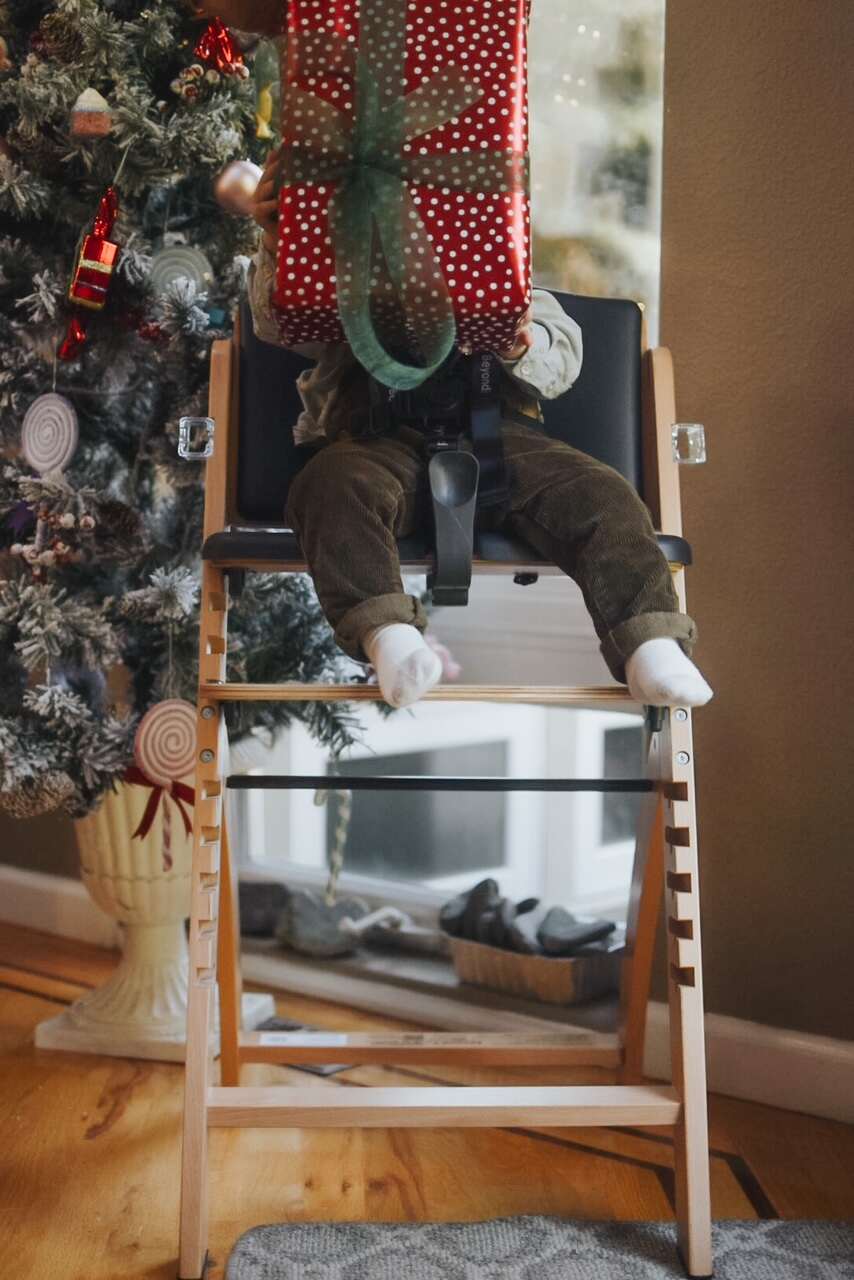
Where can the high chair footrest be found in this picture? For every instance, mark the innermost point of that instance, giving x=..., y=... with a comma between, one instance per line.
x=352, y=1106
x=534, y=695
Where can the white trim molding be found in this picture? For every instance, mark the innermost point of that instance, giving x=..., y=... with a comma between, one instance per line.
x=794, y=1070
x=54, y=904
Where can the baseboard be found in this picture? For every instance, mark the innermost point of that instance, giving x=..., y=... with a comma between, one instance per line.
x=54, y=904
x=794, y=1070
x=789, y=1069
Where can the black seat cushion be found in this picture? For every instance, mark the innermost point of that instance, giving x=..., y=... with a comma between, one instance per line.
x=600, y=414
x=281, y=547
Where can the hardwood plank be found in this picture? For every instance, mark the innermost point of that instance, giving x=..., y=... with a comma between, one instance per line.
x=89, y=1171
x=38, y=984
x=805, y=1164
x=88, y=1178
x=47, y=954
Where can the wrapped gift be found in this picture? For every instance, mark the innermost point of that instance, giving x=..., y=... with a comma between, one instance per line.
x=404, y=224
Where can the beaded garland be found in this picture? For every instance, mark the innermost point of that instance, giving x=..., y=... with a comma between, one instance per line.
x=480, y=237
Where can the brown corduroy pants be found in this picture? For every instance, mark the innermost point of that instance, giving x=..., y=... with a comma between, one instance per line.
x=355, y=497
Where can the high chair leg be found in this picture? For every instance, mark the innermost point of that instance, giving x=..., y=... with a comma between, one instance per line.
x=207, y=833
x=641, y=925
x=228, y=965
x=685, y=992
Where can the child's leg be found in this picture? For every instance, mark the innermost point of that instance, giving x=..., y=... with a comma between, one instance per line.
x=349, y=504
x=586, y=518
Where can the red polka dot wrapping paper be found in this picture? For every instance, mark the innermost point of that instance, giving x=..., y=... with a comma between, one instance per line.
x=481, y=238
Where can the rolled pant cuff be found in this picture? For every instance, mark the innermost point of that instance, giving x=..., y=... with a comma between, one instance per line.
x=379, y=611
x=619, y=645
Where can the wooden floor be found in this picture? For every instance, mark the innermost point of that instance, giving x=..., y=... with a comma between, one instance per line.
x=90, y=1149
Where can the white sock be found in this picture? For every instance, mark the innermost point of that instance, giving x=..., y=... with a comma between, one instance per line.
x=659, y=674
x=406, y=666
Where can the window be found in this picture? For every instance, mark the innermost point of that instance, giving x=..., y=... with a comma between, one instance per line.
x=623, y=758
x=434, y=837
x=595, y=92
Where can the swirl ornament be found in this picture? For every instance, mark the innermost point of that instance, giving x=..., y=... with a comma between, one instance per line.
x=49, y=433
x=165, y=743
x=177, y=261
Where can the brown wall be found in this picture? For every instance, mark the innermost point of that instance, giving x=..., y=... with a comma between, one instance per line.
x=756, y=304
x=758, y=267
x=39, y=844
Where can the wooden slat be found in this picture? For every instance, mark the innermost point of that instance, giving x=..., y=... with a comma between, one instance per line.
x=228, y=964
x=349, y=1106
x=533, y=694
x=641, y=928
x=660, y=470
x=588, y=1048
x=223, y=368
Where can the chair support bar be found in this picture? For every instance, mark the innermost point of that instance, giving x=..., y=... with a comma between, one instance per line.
x=403, y=782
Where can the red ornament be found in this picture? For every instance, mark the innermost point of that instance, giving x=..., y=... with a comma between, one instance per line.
x=90, y=280
x=216, y=48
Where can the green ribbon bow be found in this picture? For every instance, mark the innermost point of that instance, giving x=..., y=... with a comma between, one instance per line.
x=371, y=209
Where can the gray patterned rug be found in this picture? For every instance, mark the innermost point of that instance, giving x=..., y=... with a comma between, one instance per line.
x=533, y=1247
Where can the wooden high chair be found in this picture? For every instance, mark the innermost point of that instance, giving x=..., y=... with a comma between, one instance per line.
x=622, y=411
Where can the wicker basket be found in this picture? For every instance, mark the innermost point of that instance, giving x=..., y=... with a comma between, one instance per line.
x=553, y=979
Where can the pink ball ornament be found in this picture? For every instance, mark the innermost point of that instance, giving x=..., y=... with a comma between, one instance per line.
x=235, y=186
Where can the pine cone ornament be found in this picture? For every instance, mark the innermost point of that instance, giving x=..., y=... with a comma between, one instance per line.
x=61, y=38
x=41, y=795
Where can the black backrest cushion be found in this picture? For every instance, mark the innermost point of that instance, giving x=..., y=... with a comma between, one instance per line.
x=600, y=414
x=269, y=405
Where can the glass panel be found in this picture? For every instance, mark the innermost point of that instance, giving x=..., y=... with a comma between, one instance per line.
x=623, y=758
x=419, y=835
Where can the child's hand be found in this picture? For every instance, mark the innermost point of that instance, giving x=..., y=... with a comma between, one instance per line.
x=265, y=204
x=523, y=340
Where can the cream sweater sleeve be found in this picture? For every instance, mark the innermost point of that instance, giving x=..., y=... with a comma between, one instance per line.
x=260, y=279
x=548, y=369
x=553, y=363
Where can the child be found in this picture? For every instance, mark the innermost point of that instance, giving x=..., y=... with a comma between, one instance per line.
x=356, y=496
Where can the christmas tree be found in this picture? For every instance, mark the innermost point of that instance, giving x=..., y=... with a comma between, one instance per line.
x=128, y=138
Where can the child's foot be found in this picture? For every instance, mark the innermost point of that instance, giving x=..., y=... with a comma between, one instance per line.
x=406, y=666
x=659, y=674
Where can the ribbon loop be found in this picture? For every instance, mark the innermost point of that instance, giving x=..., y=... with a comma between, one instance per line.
x=180, y=792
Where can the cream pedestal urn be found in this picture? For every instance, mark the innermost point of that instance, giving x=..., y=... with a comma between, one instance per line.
x=144, y=883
